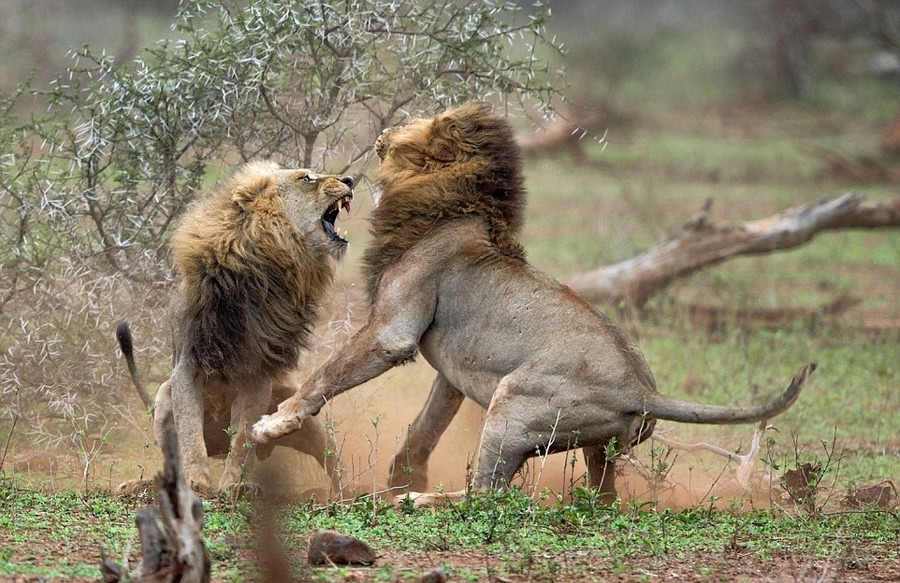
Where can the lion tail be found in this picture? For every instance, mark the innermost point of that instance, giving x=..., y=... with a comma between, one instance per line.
x=672, y=409
x=126, y=344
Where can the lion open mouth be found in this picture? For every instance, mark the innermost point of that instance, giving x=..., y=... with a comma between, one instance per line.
x=330, y=216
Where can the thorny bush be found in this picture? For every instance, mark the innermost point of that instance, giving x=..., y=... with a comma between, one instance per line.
x=89, y=191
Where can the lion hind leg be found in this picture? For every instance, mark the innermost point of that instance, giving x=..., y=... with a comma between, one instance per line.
x=500, y=456
x=601, y=472
x=505, y=445
x=409, y=467
x=249, y=405
x=162, y=408
x=186, y=391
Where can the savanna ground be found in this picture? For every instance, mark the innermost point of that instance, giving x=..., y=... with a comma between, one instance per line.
x=681, y=136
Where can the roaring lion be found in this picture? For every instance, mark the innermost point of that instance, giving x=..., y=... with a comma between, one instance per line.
x=253, y=260
x=447, y=278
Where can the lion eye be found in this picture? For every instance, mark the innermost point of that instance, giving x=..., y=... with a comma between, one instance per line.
x=309, y=178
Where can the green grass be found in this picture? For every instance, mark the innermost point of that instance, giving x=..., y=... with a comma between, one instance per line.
x=507, y=533
x=852, y=395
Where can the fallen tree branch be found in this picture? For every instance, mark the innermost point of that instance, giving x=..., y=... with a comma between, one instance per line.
x=746, y=463
x=700, y=244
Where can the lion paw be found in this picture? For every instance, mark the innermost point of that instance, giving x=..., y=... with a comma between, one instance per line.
x=244, y=490
x=271, y=427
x=429, y=499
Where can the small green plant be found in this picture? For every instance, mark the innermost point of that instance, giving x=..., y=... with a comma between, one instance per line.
x=804, y=481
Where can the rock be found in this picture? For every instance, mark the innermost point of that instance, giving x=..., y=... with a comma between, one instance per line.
x=327, y=547
x=882, y=495
x=138, y=488
x=435, y=576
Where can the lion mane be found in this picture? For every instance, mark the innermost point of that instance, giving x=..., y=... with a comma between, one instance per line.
x=474, y=168
x=249, y=282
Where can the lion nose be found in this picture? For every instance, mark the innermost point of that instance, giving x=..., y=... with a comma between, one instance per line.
x=347, y=180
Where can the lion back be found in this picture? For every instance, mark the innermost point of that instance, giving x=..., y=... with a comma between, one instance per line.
x=248, y=285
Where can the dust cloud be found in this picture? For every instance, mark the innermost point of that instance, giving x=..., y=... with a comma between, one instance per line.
x=371, y=421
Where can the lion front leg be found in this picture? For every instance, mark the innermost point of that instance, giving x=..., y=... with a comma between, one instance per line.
x=248, y=407
x=409, y=468
x=186, y=388
x=377, y=347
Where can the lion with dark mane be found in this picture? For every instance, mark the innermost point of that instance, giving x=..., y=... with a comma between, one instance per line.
x=447, y=278
x=254, y=260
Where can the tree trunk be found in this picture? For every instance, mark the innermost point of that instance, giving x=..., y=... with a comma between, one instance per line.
x=701, y=243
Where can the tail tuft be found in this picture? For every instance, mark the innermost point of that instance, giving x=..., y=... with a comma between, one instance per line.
x=126, y=344
x=123, y=335
x=804, y=372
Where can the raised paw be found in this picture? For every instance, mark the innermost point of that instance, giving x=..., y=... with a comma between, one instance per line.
x=273, y=426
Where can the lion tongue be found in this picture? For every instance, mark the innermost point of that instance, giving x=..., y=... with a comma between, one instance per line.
x=331, y=232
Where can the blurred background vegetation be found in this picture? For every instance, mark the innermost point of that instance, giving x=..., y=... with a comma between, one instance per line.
x=678, y=101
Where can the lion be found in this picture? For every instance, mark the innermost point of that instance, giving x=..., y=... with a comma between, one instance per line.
x=447, y=279
x=254, y=259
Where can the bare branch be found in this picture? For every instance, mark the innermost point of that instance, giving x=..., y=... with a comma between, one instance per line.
x=746, y=463
x=700, y=244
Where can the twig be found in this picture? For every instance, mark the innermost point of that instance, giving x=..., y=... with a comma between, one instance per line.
x=746, y=462
x=8, y=439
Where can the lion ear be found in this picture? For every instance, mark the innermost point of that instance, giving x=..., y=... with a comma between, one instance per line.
x=448, y=137
x=442, y=148
x=250, y=189
x=459, y=130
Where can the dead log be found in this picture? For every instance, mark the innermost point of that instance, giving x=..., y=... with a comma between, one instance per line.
x=701, y=243
x=172, y=544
